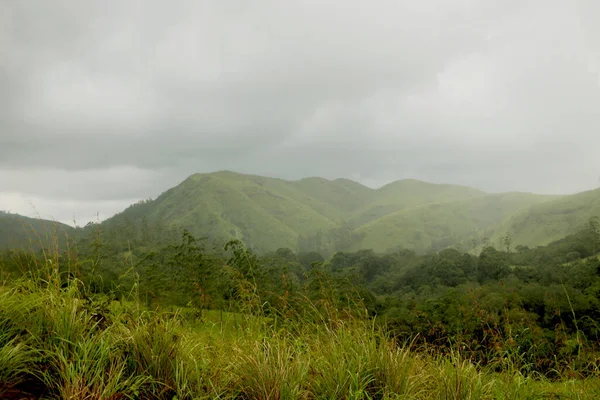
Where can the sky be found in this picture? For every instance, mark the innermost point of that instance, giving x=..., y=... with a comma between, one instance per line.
x=106, y=103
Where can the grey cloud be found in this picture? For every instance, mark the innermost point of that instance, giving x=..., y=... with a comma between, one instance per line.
x=210, y=69
x=84, y=185
x=502, y=95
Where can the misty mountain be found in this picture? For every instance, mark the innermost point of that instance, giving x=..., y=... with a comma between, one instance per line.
x=20, y=232
x=316, y=214
x=546, y=222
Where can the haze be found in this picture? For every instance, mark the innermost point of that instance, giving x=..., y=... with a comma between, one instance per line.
x=106, y=103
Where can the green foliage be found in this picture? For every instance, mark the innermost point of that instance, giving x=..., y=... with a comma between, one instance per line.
x=492, y=265
x=287, y=325
x=164, y=356
x=16, y=354
x=138, y=309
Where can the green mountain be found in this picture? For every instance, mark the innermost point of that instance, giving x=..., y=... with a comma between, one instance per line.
x=264, y=212
x=439, y=225
x=19, y=232
x=544, y=223
x=316, y=214
x=409, y=193
x=329, y=215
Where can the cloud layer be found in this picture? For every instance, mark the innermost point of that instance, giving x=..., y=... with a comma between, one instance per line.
x=102, y=103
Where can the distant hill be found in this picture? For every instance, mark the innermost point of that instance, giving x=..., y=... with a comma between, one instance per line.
x=316, y=214
x=439, y=225
x=264, y=212
x=19, y=232
x=329, y=215
x=541, y=224
x=409, y=193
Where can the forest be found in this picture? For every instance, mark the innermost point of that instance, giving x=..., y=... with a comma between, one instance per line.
x=140, y=310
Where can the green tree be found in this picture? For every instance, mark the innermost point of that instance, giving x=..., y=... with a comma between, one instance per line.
x=492, y=265
x=507, y=242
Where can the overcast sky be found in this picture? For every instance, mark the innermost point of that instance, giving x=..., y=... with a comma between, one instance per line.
x=103, y=103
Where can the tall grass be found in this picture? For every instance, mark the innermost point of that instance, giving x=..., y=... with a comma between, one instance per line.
x=56, y=342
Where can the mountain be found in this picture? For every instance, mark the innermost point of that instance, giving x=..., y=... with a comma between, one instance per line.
x=439, y=225
x=329, y=215
x=409, y=193
x=316, y=214
x=19, y=232
x=265, y=212
x=544, y=223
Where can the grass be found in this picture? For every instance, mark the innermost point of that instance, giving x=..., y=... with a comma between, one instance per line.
x=53, y=344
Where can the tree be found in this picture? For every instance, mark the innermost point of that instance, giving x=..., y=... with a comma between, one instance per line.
x=308, y=259
x=485, y=242
x=492, y=265
x=507, y=242
x=594, y=224
x=286, y=254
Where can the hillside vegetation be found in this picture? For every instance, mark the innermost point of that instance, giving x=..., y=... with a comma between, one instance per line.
x=175, y=319
x=316, y=214
x=325, y=216
x=409, y=193
x=543, y=223
x=17, y=231
x=436, y=226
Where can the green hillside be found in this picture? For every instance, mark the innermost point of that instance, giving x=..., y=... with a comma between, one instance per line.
x=316, y=214
x=436, y=226
x=264, y=212
x=337, y=198
x=544, y=223
x=328, y=215
x=19, y=232
x=409, y=193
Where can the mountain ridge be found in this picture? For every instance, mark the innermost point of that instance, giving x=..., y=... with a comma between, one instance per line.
x=22, y=232
x=328, y=215
x=269, y=213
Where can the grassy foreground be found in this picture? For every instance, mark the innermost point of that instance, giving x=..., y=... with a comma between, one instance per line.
x=58, y=341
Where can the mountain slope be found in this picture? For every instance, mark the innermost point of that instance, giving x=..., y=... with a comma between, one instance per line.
x=444, y=224
x=269, y=213
x=336, y=198
x=20, y=232
x=264, y=212
x=544, y=223
x=329, y=215
x=409, y=193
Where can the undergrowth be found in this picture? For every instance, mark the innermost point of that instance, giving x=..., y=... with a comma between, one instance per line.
x=58, y=340
x=54, y=345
